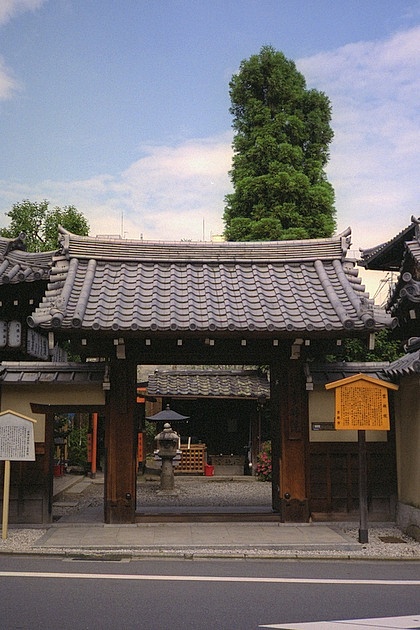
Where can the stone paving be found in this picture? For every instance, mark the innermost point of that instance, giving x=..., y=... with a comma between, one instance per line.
x=79, y=527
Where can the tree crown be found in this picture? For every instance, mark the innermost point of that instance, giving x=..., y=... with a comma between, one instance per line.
x=40, y=224
x=282, y=134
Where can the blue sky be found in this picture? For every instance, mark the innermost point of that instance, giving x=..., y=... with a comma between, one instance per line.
x=122, y=107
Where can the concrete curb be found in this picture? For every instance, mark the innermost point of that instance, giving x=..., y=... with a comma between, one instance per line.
x=119, y=555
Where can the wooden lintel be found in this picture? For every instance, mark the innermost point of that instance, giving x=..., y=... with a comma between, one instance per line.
x=46, y=408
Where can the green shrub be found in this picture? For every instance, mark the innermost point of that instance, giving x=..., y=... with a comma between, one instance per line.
x=77, y=447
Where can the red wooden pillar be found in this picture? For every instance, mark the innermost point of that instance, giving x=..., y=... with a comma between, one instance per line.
x=121, y=444
x=290, y=436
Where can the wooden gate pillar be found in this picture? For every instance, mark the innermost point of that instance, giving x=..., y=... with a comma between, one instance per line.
x=289, y=431
x=120, y=444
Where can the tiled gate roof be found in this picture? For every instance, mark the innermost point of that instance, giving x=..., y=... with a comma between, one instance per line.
x=389, y=255
x=208, y=383
x=17, y=265
x=31, y=372
x=402, y=254
x=280, y=287
x=409, y=363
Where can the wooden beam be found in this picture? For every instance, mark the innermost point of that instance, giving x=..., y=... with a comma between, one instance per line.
x=121, y=444
x=46, y=408
x=290, y=439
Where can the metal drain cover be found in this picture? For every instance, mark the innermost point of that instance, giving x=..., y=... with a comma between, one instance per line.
x=392, y=539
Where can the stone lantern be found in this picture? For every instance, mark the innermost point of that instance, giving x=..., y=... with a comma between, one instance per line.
x=167, y=442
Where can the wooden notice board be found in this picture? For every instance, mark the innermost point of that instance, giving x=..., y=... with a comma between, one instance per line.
x=16, y=444
x=361, y=403
x=16, y=437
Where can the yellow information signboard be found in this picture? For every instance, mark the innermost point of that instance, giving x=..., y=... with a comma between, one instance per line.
x=361, y=403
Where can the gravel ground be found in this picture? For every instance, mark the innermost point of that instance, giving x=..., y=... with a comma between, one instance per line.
x=190, y=493
x=386, y=541
x=212, y=492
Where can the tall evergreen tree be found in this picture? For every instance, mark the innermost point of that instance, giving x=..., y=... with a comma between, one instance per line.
x=282, y=135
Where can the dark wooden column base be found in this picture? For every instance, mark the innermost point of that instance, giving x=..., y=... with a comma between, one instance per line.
x=121, y=443
x=289, y=435
x=119, y=513
x=294, y=511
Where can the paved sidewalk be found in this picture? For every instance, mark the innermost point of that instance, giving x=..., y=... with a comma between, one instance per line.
x=80, y=531
x=207, y=538
x=85, y=532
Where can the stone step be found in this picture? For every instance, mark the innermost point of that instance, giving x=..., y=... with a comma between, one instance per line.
x=65, y=504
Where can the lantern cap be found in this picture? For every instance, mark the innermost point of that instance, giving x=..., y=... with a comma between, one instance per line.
x=167, y=415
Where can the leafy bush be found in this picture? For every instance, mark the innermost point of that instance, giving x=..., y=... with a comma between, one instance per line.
x=77, y=446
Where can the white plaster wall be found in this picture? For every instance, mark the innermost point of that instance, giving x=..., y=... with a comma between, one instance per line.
x=408, y=520
x=19, y=399
x=407, y=434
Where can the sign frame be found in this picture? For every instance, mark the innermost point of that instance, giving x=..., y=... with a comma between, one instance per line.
x=19, y=440
x=361, y=403
x=16, y=444
x=362, y=415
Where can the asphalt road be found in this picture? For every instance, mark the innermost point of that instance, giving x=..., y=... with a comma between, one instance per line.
x=71, y=594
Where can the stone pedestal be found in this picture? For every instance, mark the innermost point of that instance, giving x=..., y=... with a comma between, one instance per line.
x=167, y=478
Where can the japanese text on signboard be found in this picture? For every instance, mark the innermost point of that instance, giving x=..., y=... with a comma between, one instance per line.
x=15, y=442
x=361, y=406
x=16, y=437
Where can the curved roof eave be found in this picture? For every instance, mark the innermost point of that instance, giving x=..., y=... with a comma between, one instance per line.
x=18, y=265
x=389, y=255
x=282, y=287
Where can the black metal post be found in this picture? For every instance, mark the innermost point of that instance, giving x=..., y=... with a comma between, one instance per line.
x=363, y=528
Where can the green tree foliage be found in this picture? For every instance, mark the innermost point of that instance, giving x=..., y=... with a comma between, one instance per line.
x=282, y=135
x=386, y=349
x=40, y=224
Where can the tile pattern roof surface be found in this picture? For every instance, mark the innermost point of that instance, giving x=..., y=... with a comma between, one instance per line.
x=406, y=293
x=85, y=247
x=198, y=383
x=388, y=256
x=402, y=254
x=290, y=286
x=209, y=384
x=30, y=372
x=409, y=284
x=322, y=373
x=409, y=363
x=17, y=265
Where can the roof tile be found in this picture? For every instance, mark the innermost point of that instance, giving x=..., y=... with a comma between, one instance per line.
x=208, y=383
x=239, y=287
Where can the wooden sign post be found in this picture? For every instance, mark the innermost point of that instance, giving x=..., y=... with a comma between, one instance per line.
x=16, y=444
x=361, y=404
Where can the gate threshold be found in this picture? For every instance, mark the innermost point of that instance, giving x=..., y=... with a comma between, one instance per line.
x=204, y=515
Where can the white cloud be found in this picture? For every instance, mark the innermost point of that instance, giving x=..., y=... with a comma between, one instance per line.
x=170, y=193
x=172, y=190
x=10, y=8
x=8, y=84
x=374, y=165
